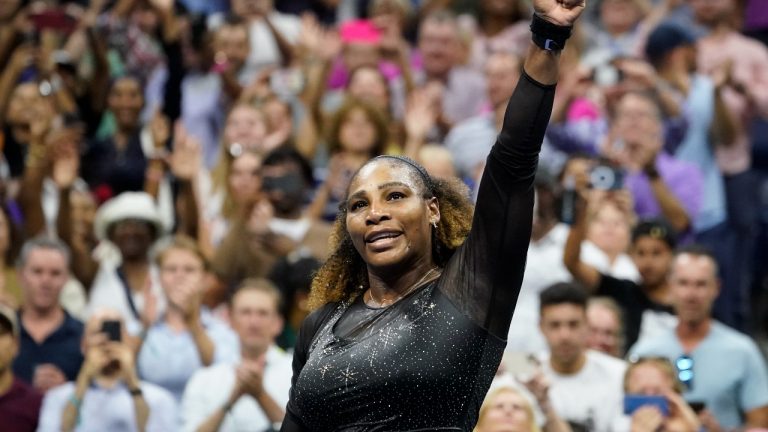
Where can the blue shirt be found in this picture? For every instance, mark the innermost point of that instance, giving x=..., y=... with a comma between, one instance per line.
x=697, y=149
x=109, y=409
x=729, y=374
x=61, y=348
x=169, y=358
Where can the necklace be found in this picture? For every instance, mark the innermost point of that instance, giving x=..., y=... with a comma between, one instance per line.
x=387, y=302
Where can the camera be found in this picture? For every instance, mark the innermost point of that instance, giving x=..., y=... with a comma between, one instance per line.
x=606, y=177
x=607, y=74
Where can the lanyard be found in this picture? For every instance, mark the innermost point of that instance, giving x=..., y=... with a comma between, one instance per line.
x=128, y=295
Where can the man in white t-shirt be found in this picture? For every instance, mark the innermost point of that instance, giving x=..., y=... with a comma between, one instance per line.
x=253, y=394
x=585, y=385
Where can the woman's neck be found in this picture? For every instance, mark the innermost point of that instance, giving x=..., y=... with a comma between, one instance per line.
x=175, y=319
x=385, y=287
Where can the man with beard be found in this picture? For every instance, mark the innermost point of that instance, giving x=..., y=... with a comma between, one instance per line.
x=107, y=394
x=585, y=385
x=720, y=367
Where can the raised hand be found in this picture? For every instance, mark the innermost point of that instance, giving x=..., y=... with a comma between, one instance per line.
x=258, y=220
x=647, y=419
x=160, y=130
x=420, y=115
x=162, y=5
x=560, y=12
x=66, y=161
x=185, y=160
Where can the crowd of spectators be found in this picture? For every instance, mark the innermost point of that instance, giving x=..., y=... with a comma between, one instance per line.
x=170, y=171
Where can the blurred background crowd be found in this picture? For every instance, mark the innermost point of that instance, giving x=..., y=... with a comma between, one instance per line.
x=171, y=170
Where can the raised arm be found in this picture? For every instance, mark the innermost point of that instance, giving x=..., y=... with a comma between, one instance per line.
x=582, y=272
x=488, y=268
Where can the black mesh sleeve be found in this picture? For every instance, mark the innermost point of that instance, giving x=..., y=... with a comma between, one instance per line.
x=310, y=326
x=483, y=278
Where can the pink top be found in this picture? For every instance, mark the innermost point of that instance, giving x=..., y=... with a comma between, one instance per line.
x=750, y=68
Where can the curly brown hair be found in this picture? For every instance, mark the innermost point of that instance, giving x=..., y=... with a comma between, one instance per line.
x=345, y=274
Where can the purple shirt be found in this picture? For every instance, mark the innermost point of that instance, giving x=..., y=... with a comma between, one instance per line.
x=20, y=407
x=756, y=15
x=683, y=179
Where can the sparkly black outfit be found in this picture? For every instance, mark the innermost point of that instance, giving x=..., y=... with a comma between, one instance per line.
x=426, y=362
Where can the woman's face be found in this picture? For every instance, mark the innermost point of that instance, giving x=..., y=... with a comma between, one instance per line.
x=609, y=229
x=245, y=126
x=357, y=133
x=125, y=102
x=388, y=219
x=369, y=85
x=507, y=413
x=244, y=178
x=181, y=273
x=649, y=380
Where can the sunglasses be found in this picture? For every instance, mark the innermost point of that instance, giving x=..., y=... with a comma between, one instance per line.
x=684, y=366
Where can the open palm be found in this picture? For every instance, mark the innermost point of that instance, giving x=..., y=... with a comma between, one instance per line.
x=560, y=12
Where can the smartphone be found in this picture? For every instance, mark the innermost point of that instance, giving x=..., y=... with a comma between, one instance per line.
x=112, y=329
x=634, y=402
x=286, y=82
x=697, y=407
x=53, y=19
x=520, y=365
x=568, y=201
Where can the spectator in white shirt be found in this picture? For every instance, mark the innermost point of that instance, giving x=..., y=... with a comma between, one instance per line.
x=585, y=385
x=107, y=395
x=253, y=394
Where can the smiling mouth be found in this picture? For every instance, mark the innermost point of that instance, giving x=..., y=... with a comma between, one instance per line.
x=382, y=237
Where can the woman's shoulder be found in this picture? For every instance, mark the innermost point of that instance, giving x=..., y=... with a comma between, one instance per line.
x=316, y=318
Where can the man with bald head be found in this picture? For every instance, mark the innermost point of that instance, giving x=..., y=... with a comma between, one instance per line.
x=107, y=394
x=720, y=367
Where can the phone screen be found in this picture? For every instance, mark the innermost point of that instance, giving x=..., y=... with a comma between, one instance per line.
x=112, y=329
x=634, y=402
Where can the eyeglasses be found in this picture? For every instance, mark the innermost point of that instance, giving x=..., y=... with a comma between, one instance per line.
x=684, y=366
